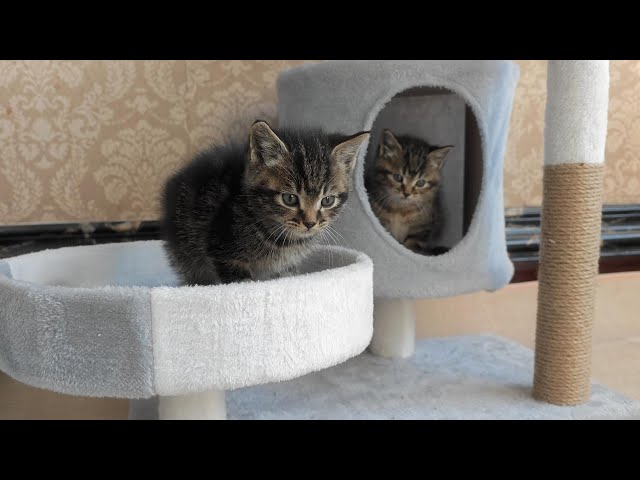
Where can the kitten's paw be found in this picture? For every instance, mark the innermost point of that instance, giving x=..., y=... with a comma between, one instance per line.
x=423, y=248
x=418, y=246
x=438, y=250
x=288, y=273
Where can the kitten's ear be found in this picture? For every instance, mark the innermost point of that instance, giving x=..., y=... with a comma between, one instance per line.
x=346, y=152
x=389, y=146
x=437, y=156
x=264, y=145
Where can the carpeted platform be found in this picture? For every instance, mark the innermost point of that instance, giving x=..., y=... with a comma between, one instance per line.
x=468, y=377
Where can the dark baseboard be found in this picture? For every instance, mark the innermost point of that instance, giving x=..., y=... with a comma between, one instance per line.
x=20, y=239
x=620, y=246
x=620, y=240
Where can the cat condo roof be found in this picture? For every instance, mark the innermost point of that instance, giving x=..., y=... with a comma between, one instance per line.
x=97, y=321
x=346, y=97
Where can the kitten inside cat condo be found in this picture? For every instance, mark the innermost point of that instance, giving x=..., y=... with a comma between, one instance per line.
x=404, y=190
x=414, y=171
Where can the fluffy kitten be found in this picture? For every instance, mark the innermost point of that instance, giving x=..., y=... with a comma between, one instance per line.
x=252, y=211
x=403, y=188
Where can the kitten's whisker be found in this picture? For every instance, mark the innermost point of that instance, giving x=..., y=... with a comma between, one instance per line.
x=321, y=242
x=382, y=199
x=385, y=203
x=274, y=231
x=278, y=237
x=335, y=240
x=344, y=240
x=332, y=236
x=330, y=251
x=380, y=195
x=331, y=257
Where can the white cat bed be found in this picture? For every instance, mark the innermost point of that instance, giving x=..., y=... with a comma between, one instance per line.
x=349, y=96
x=108, y=321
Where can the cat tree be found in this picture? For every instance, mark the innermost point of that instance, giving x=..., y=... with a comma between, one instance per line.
x=349, y=95
x=109, y=320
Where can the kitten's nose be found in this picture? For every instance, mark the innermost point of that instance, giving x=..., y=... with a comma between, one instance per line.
x=406, y=194
x=309, y=225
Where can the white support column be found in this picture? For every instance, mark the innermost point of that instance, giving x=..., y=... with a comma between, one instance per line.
x=394, y=328
x=198, y=406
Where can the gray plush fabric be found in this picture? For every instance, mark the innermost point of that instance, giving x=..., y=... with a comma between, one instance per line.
x=346, y=96
x=73, y=322
x=231, y=336
x=5, y=269
x=75, y=341
x=468, y=377
x=107, y=320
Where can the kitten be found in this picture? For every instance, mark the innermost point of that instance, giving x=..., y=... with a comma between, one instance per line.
x=253, y=211
x=403, y=187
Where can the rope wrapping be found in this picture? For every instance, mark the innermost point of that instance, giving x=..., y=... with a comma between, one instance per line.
x=569, y=253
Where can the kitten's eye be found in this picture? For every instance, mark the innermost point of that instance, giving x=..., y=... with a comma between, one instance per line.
x=328, y=201
x=397, y=177
x=421, y=183
x=290, y=199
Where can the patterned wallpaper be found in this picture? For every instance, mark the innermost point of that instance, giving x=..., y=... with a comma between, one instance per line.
x=95, y=140
x=525, y=148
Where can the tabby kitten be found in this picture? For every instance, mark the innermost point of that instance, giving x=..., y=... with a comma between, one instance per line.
x=253, y=211
x=403, y=188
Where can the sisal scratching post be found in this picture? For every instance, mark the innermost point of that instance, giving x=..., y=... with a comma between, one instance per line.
x=575, y=134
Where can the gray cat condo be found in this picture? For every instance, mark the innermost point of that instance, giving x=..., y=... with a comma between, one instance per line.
x=466, y=104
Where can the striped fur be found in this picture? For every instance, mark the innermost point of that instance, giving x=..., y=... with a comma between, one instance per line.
x=226, y=217
x=403, y=187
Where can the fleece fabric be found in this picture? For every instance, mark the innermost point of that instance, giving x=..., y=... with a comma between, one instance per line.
x=475, y=377
x=346, y=97
x=109, y=321
x=244, y=334
x=576, y=112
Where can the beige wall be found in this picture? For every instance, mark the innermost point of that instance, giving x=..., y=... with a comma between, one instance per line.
x=94, y=140
x=525, y=149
